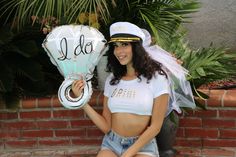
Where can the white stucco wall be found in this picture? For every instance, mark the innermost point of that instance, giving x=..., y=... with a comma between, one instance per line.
x=215, y=22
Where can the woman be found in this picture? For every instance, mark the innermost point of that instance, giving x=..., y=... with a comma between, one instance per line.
x=136, y=96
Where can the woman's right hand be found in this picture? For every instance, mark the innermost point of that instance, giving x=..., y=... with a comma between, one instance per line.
x=77, y=87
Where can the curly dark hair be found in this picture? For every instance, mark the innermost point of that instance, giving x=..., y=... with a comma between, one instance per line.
x=143, y=64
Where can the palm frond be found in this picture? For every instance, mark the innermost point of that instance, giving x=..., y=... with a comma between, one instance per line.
x=68, y=10
x=161, y=17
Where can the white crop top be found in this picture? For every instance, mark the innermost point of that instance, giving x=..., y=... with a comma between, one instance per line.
x=135, y=96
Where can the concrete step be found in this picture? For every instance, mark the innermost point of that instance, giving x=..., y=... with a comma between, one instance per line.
x=91, y=151
x=73, y=151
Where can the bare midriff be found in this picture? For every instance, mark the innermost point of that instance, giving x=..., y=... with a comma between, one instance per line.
x=127, y=124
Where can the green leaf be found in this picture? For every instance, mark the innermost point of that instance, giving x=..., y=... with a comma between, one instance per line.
x=60, y=9
x=201, y=71
x=201, y=106
x=205, y=96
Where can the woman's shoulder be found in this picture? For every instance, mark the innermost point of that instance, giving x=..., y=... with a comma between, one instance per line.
x=159, y=77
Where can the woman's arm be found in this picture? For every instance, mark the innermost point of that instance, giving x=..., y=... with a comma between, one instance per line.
x=158, y=115
x=103, y=122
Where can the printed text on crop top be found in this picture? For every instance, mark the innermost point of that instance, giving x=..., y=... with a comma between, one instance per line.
x=135, y=96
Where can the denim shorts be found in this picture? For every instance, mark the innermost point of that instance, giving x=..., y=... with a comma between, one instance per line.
x=119, y=144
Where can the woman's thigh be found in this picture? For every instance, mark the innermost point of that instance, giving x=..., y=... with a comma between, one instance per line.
x=106, y=153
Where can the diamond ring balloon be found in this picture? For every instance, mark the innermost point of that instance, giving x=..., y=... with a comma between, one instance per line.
x=75, y=50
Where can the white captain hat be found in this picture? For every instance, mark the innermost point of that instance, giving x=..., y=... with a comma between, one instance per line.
x=125, y=32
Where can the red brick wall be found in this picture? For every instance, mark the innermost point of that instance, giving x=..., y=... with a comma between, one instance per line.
x=215, y=124
x=43, y=122
x=210, y=132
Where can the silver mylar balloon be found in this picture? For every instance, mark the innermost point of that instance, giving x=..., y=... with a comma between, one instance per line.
x=75, y=50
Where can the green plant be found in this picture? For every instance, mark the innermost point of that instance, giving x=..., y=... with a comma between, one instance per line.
x=204, y=65
x=163, y=17
x=22, y=66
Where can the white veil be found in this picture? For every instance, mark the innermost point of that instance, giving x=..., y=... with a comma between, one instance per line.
x=180, y=90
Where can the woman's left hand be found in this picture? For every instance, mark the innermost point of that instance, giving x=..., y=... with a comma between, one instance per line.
x=77, y=87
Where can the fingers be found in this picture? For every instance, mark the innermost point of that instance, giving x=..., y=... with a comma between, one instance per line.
x=78, y=84
x=77, y=87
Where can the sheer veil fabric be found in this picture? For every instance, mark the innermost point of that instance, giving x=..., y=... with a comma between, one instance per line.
x=180, y=90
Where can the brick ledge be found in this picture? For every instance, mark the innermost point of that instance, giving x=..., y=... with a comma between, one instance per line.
x=91, y=151
x=218, y=98
x=206, y=152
